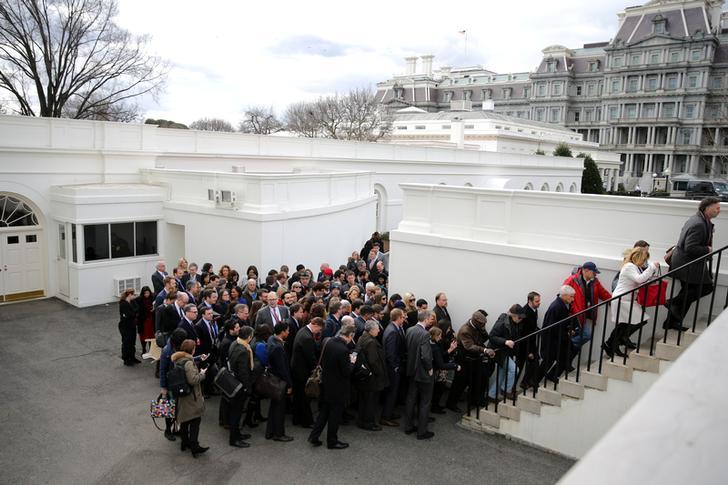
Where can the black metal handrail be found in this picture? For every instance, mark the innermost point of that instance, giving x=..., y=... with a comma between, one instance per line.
x=562, y=326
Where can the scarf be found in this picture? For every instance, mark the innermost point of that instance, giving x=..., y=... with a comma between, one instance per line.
x=250, y=352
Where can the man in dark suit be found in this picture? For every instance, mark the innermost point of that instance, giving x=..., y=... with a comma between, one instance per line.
x=207, y=331
x=294, y=325
x=173, y=314
x=187, y=323
x=191, y=275
x=272, y=314
x=280, y=368
x=527, y=350
x=421, y=377
x=336, y=365
x=555, y=342
x=441, y=308
x=696, y=281
x=158, y=277
x=394, y=353
x=168, y=286
x=303, y=362
x=333, y=321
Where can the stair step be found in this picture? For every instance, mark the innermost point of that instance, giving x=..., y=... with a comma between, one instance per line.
x=549, y=396
x=507, y=410
x=644, y=362
x=489, y=418
x=689, y=337
x=529, y=404
x=614, y=370
x=668, y=351
x=594, y=380
x=571, y=388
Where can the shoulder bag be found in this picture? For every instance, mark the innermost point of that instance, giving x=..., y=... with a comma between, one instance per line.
x=270, y=385
x=228, y=384
x=313, y=383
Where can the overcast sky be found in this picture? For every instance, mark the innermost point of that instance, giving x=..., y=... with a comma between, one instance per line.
x=227, y=55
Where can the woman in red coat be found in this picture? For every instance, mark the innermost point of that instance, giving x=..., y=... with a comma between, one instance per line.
x=145, y=317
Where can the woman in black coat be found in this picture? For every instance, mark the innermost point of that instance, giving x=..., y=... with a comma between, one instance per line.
x=441, y=363
x=127, y=327
x=369, y=390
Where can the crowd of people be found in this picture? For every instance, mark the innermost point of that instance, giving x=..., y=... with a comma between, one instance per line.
x=385, y=360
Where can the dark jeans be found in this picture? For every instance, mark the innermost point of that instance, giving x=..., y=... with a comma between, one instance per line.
x=390, y=395
x=367, y=408
x=468, y=375
x=302, y=415
x=128, y=339
x=276, y=425
x=419, y=394
x=437, y=393
x=190, y=431
x=330, y=415
x=235, y=412
x=680, y=303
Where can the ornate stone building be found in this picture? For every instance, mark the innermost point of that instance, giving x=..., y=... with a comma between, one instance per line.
x=657, y=93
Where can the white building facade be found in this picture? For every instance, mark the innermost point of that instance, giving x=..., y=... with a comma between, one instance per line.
x=87, y=208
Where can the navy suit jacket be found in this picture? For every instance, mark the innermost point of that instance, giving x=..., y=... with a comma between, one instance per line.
x=277, y=360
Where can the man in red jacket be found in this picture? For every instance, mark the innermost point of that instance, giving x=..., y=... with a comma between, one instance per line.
x=589, y=291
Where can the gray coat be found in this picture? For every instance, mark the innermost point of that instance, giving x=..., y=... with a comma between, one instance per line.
x=374, y=352
x=695, y=238
x=193, y=405
x=419, y=354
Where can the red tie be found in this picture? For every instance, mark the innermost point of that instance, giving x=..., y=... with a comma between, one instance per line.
x=275, y=315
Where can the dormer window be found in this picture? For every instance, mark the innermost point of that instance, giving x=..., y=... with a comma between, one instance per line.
x=593, y=66
x=448, y=96
x=487, y=94
x=659, y=24
x=551, y=65
x=467, y=95
x=398, y=92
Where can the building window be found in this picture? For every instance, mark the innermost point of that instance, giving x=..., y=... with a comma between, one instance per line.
x=654, y=57
x=578, y=90
x=668, y=110
x=577, y=115
x=685, y=136
x=419, y=127
x=672, y=82
x=16, y=213
x=540, y=114
x=633, y=84
x=652, y=83
x=630, y=111
x=542, y=90
x=555, y=115
x=487, y=94
x=660, y=27
x=507, y=93
x=526, y=92
x=616, y=85
x=588, y=115
x=551, y=65
x=696, y=55
x=716, y=82
x=445, y=127
x=690, y=110
x=593, y=66
x=648, y=110
x=119, y=240
x=557, y=89
x=613, y=112
x=467, y=95
x=635, y=60
x=618, y=61
x=675, y=56
x=693, y=81
x=590, y=89
x=469, y=127
x=402, y=127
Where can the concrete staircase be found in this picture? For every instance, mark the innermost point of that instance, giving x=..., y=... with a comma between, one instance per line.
x=572, y=417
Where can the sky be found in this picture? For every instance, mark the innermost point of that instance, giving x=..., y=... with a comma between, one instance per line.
x=228, y=55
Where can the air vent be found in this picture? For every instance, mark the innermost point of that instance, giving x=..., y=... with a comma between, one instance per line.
x=121, y=284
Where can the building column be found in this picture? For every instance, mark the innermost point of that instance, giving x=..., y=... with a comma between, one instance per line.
x=717, y=135
x=648, y=163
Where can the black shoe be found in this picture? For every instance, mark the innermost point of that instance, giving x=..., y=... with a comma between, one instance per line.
x=410, y=430
x=269, y=436
x=240, y=444
x=307, y=426
x=395, y=416
x=455, y=409
x=437, y=410
x=315, y=443
x=571, y=368
x=136, y=361
x=339, y=445
x=370, y=427
x=198, y=450
x=630, y=345
x=426, y=436
x=283, y=439
x=245, y=436
x=184, y=446
x=170, y=436
x=607, y=350
x=129, y=362
x=618, y=352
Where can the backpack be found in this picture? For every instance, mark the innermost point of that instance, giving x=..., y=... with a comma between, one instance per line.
x=177, y=381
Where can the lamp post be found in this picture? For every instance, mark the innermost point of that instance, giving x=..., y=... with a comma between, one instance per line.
x=666, y=173
x=654, y=182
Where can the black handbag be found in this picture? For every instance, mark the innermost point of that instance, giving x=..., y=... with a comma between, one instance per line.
x=228, y=384
x=161, y=338
x=271, y=386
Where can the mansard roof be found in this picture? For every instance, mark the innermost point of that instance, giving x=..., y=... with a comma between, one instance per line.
x=637, y=27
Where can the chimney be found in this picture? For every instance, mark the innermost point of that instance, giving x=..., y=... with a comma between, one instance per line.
x=427, y=64
x=411, y=65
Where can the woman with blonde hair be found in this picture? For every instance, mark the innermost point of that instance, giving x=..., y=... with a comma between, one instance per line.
x=628, y=315
x=353, y=293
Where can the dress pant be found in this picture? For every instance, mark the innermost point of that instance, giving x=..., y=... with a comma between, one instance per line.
x=276, y=419
x=680, y=303
x=473, y=374
x=419, y=394
x=302, y=415
x=208, y=385
x=528, y=368
x=330, y=415
x=235, y=412
x=128, y=339
x=390, y=395
x=368, y=408
x=190, y=431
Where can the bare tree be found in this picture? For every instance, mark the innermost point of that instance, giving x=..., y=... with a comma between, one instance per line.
x=353, y=116
x=70, y=58
x=212, y=124
x=300, y=119
x=260, y=120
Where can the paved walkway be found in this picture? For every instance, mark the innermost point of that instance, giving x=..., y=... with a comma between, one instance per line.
x=71, y=413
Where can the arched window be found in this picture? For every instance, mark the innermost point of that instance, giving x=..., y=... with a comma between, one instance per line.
x=529, y=186
x=560, y=187
x=16, y=213
x=572, y=189
x=468, y=184
x=545, y=187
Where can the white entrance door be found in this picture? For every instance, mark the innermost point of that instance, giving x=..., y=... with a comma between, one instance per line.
x=63, y=284
x=21, y=264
